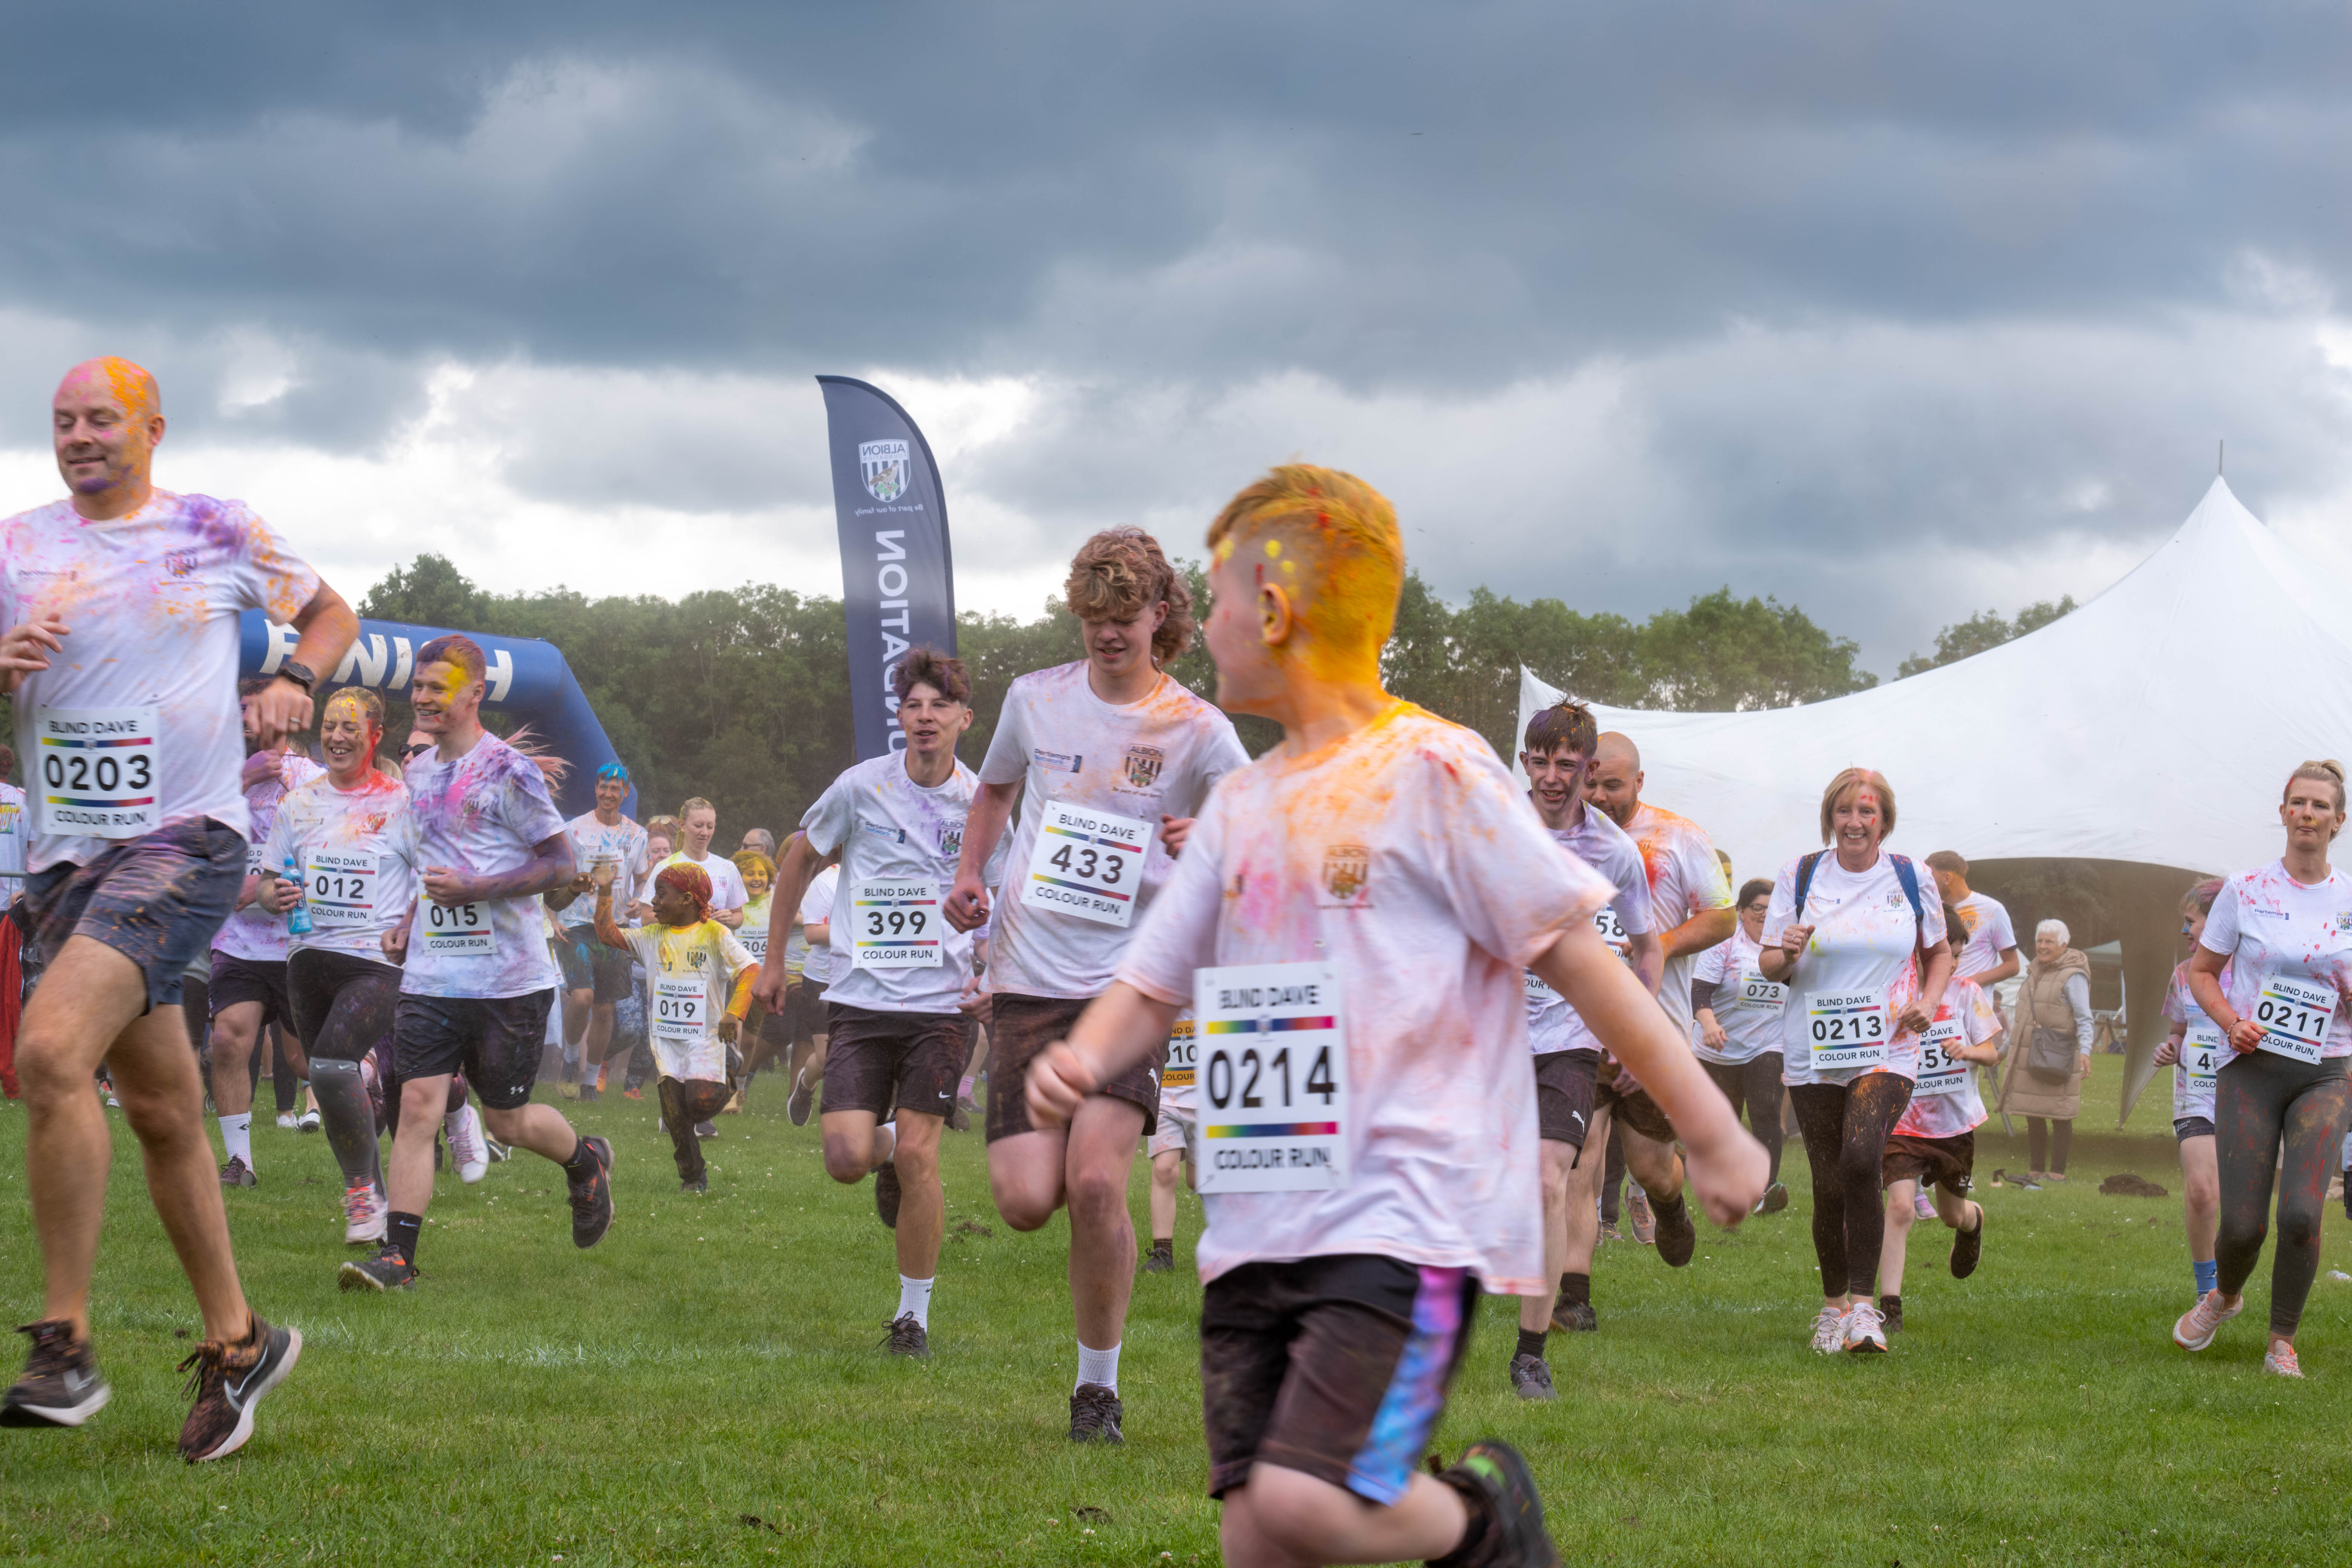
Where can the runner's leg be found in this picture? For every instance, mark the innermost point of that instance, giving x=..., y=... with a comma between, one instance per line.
x=236, y=1034
x=1163, y=1194
x=1762, y=1073
x=1820, y=1115
x=2315, y=1138
x=2249, y=1120
x=1535, y=1311
x=2201, y=1204
x=1874, y=1103
x=1900, y=1216
x=922, y=1210
x=1100, y=1151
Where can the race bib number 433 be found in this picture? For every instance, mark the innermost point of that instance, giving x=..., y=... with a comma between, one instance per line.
x=1847, y=1029
x=2293, y=1013
x=99, y=772
x=1272, y=1090
x=896, y=925
x=1087, y=863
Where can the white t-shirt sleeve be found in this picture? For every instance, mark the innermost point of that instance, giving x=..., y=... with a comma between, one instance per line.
x=2004, y=935
x=1781, y=912
x=529, y=812
x=1008, y=750
x=738, y=959
x=267, y=576
x=2220, y=933
x=1711, y=964
x=831, y=819
x=1179, y=934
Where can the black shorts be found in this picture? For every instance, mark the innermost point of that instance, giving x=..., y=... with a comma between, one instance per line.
x=236, y=980
x=588, y=965
x=495, y=1041
x=1564, y=1095
x=1335, y=1367
x=805, y=1013
x=1947, y=1163
x=157, y=901
x=342, y=1004
x=1629, y=1106
x=1018, y=1028
x=883, y=1062
x=2184, y=1128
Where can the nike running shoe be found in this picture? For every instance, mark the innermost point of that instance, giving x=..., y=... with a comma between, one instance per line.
x=386, y=1270
x=1575, y=1318
x=2279, y=1360
x=1865, y=1331
x=803, y=1097
x=1643, y=1223
x=1829, y=1331
x=591, y=1198
x=1493, y=1477
x=1775, y=1199
x=1095, y=1412
x=1677, y=1237
x=1967, y=1247
x=633, y=1092
x=1161, y=1260
x=886, y=1194
x=906, y=1337
x=365, y=1212
x=969, y=1106
x=1531, y=1379
x=308, y=1122
x=229, y=1380
x=237, y=1174
x=62, y=1386
x=2196, y=1328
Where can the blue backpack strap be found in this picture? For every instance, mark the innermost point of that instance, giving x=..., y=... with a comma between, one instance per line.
x=1908, y=875
x=1805, y=866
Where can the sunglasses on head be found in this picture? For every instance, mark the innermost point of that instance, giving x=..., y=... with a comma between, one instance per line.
x=413, y=748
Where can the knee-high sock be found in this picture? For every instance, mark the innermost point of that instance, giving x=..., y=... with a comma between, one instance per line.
x=349, y=1120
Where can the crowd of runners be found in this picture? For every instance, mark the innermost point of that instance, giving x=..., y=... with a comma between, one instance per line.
x=1396, y=1017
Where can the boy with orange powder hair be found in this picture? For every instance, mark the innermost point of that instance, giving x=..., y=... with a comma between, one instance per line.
x=1380, y=862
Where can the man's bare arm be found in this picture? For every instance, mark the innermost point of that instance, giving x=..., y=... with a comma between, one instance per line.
x=983, y=825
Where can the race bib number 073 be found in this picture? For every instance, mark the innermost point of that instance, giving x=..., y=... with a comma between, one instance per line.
x=1847, y=1029
x=99, y=772
x=1272, y=1090
x=2293, y=1015
x=896, y=925
x=1087, y=863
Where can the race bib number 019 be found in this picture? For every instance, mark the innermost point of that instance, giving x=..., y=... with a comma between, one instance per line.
x=98, y=772
x=2293, y=1015
x=1087, y=863
x=1184, y=1055
x=896, y=925
x=681, y=1006
x=1941, y=1072
x=1847, y=1029
x=340, y=889
x=1272, y=1085
x=458, y=930
x=2202, y=1052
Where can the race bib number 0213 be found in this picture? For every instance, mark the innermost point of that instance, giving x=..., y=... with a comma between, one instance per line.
x=1272, y=1090
x=340, y=889
x=896, y=925
x=1847, y=1029
x=1087, y=863
x=1941, y=1072
x=458, y=930
x=99, y=772
x=2293, y=1015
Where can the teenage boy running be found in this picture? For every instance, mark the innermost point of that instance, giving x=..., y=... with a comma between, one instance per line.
x=1376, y=878
x=595, y=978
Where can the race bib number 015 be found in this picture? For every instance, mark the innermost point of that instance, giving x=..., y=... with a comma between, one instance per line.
x=896, y=925
x=1847, y=1029
x=458, y=930
x=1087, y=863
x=98, y=772
x=1184, y=1055
x=681, y=1008
x=2293, y=1015
x=2202, y=1052
x=340, y=888
x=1272, y=1085
x=1941, y=1072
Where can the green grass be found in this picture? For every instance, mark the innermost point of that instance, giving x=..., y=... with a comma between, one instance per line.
x=715, y=1359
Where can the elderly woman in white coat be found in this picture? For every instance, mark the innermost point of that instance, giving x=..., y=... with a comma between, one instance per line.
x=2050, y=1051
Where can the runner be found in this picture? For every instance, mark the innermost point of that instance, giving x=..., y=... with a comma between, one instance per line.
x=1377, y=870
x=1117, y=757
x=119, y=607
x=14, y=827
x=351, y=840
x=698, y=824
x=761, y=841
x=595, y=978
x=2284, y=932
x=814, y=932
x=2195, y=1051
x=1935, y=1143
x=1738, y=1014
x=1174, y=1144
x=769, y=1033
x=478, y=978
x=1845, y=933
x=1559, y=744
x=896, y=823
x=1991, y=956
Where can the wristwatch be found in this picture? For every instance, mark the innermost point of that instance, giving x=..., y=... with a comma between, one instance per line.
x=301, y=674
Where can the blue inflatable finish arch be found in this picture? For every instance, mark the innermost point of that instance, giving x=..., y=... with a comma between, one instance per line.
x=525, y=678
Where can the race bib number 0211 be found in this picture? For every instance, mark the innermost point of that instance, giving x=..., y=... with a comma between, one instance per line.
x=340, y=889
x=1941, y=1072
x=99, y=772
x=458, y=930
x=1847, y=1029
x=896, y=925
x=1272, y=1090
x=2293, y=1015
x=1087, y=863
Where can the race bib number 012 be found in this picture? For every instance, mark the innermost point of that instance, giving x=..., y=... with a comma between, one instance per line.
x=2202, y=1052
x=1847, y=1029
x=340, y=888
x=1087, y=863
x=1941, y=1072
x=1272, y=1085
x=98, y=774
x=1184, y=1055
x=458, y=930
x=2293, y=1015
x=896, y=925
x=681, y=1006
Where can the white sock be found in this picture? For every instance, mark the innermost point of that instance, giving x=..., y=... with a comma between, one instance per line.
x=891, y=1127
x=236, y=1135
x=1098, y=1366
x=915, y=1296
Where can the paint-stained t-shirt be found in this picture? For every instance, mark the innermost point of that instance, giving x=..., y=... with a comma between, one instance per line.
x=2270, y=925
x=1599, y=843
x=703, y=959
x=2188, y=1098
x=816, y=908
x=253, y=933
x=152, y=600
x=1990, y=934
x=356, y=850
x=1684, y=878
x=1949, y=1115
x=624, y=843
x=13, y=828
x=1746, y=1005
x=1865, y=939
x=727, y=889
x=481, y=815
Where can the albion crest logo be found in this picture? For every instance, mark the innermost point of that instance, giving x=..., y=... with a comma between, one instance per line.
x=1143, y=765
x=1347, y=875
x=951, y=841
x=886, y=467
x=179, y=563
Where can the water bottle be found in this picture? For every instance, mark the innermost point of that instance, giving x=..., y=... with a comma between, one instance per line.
x=297, y=918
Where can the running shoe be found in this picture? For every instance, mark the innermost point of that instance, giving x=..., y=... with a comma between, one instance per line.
x=969, y=1106
x=2279, y=1360
x=1638, y=1217
x=1967, y=1247
x=1829, y=1331
x=592, y=1199
x=308, y=1122
x=706, y=1129
x=285, y=1121
x=589, y=1093
x=62, y=1386
x=1493, y=1473
x=567, y=1089
x=906, y=1337
x=115, y=1104
x=734, y=1105
x=365, y=1212
x=1610, y=1233
x=1161, y=1260
x=958, y=1122
x=633, y=1092
x=885, y=1195
x=2196, y=1327
x=499, y=1153
x=1095, y=1412
x=229, y=1380
x=1531, y=1379
x=237, y=1174
x=1677, y=1237
x=803, y=1097
x=1775, y=1199
x=1576, y=1318
x=463, y=1127
x=386, y=1270
x=1923, y=1206
x=1865, y=1332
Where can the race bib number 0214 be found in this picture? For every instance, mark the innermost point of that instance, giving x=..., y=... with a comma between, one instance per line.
x=99, y=772
x=896, y=925
x=1087, y=863
x=1272, y=1090
x=2293, y=1015
x=1847, y=1029
x=1941, y=1072
x=340, y=889
x=458, y=930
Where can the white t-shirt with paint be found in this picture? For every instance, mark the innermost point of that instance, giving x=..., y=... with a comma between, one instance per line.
x=701, y=960
x=727, y=889
x=356, y=851
x=1684, y=878
x=2192, y=1092
x=15, y=828
x=1599, y=845
x=624, y=843
x=1990, y=934
x=481, y=815
x=816, y=908
x=1746, y=1005
x=1965, y=1005
x=2270, y=925
x=1865, y=939
x=253, y=933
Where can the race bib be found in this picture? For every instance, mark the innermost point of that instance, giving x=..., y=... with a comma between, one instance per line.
x=896, y=925
x=460, y=930
x=1755, y=991
x=1612, y=932
x=340, y=888
x=1273, y=1101
x=1940, y=1071
x=755, y=942
x=1540, y=991
x=2293, y=1015
x=1847, y=1029
x=2202, y=1052
x=97, y=770
x=681, y=1008
x=1087, y=863
x=1184, y=1055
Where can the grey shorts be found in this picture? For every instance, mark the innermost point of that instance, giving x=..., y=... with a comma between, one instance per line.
x=156, y=899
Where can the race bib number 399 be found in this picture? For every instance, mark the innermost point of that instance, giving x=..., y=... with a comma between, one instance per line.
x=896, y=925
x=1847, y=1029
x=1087, y=863
x=2293, y=1015
x=99, y=772
x=1272, y=1090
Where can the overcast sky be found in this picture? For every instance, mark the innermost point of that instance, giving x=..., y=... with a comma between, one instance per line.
x=1894, y=313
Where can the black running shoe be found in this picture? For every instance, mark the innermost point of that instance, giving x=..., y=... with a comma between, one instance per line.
x=1494, y=1476
x=592, y=1200
x=62, y=1386
x=1095, y=1411
x=803, y=1096
x=1161, y=1260
x=1577, y=1317
x=1531, y=1379
x=1677, y=1237
x=906, y=1337
x=958, y=1122
x=229, y=1380
x=385, y=1270
x=1967, y=1247
x=1890, y=1314
x=589, y=1093
x=886, y=1194
x=706, y=1129
x=1775, y=1199
x=237, y=1174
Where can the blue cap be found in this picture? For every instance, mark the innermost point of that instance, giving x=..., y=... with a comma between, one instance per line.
x=614, y=771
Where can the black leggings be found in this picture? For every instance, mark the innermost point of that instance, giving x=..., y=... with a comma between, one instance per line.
x=2038, y=1141
x=2259, y=1101
x=1755, y=1083
x=1844, y=1126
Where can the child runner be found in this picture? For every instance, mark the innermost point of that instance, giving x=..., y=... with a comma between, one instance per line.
x=1379, y=881
x=2195, y=1051
x=1174, y=1144
x=770, y=1032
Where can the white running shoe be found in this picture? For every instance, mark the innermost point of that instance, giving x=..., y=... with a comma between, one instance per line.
x=308, y=1122
x=1866, y=1334
x=285, y=1121
x=2196, y=1327
x=1829, y=1332
x=1923, y=1206
x=364, y=1212
x=2280, y=1359
x=468, y=1151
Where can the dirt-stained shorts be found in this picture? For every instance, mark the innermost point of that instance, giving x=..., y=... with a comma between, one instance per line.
x=1564, y=1095
x=1629, y=1104
x=1949, y=1162
x=156, y=899
x=237, y=980
x=1178, y=1133
x=886, y=1061
x=1336, y=1367
x=495, y=1041
x=1020, y=1027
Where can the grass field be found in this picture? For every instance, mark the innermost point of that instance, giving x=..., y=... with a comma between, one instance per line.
x=713, y=1364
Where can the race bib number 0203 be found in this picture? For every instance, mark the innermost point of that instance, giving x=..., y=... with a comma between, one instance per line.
x=896, y=925
x=99, y=772
x=1847, y=1029
x=1087, y=863
x=1272, y=1090
x=2293, y=1013
x=458, y=930
x=1941, y=1072
x=340, y=889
